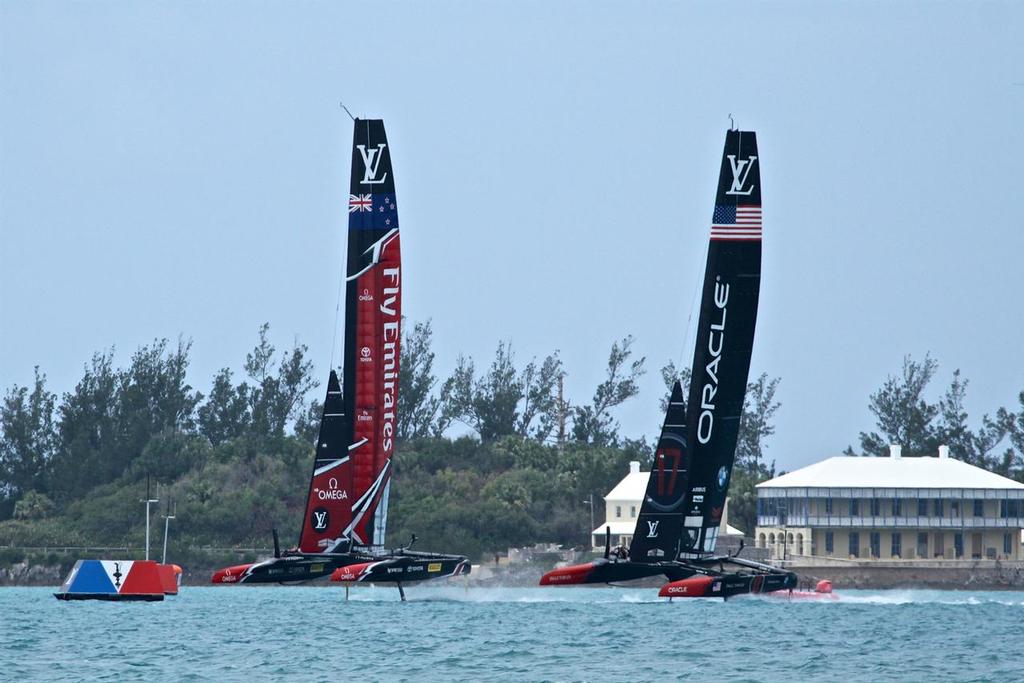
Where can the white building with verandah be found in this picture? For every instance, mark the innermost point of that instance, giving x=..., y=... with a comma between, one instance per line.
x=622, y=505
x=892, y=509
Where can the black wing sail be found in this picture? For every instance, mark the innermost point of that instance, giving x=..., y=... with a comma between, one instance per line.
x=660, y=524
x=328, y=507
x=725, y=337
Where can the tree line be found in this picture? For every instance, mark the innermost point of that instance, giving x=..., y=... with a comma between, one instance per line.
x=236, y=460
x=906, y=416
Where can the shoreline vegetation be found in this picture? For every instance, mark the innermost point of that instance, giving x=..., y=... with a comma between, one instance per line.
x=236, y=462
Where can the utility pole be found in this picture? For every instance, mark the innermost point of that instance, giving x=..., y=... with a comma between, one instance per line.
x=590, y=499
x=168, y=516
x=148, y=501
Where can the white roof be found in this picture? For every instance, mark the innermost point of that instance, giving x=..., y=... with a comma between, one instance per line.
x=632, y=487
x=920, y=472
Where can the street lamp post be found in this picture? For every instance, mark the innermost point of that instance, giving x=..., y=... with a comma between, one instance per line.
x=590, y=499
x=148, y=502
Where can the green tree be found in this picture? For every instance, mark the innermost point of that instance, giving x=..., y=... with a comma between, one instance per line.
x=33, y=505
x=756, y=424
x=152, y=396
x=418, y=406
x=28, y=439
x=903, y=415
x=539, y=415
x=953, y=430
x=307, y=424
x=225, y=414
x=669, y=375
x=87, y=432
x=593, y=423
x=276, y=399
x=1011, y=462
x=504, y=400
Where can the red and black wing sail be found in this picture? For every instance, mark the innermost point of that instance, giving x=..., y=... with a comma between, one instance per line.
x=725, y=337
x=372, y=329
x=660, y=523
x=371, y=358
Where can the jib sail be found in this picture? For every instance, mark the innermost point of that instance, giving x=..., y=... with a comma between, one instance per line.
x=328, y=504
x=725, y=336
x=659, y=526
x=371, y=355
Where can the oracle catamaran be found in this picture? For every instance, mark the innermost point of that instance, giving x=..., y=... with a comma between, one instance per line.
x=347, y=505
x=677, y=528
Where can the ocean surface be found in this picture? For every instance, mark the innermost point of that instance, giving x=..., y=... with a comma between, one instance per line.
x=452, y=633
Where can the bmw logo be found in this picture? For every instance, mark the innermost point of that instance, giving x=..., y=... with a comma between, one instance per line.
x=723, y=476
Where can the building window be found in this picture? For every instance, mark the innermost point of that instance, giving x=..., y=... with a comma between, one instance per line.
x=876, y=507
x=854, y=544
x=1007, y=544
x=979, y=507
x=954, y=508
x=1008, y=508
x=922, y=544
x=938, y=507
x=632, y=511
x=897, y=507
x=830, y=542
x=958, y=544
x=854, y=507
x=875, y=539
x=922, y=507
x=618, y=511
x=897, y=545
x=828, y=506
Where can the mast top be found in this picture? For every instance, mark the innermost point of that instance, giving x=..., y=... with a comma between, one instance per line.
x=342, y=104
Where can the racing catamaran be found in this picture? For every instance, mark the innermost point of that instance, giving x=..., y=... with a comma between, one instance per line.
x=347, y=505
x=677, y=528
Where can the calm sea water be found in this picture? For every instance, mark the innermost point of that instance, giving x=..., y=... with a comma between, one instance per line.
x=450, y=633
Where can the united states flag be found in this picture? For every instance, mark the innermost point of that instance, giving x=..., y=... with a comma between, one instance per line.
x=360, y=202
x=736, y=223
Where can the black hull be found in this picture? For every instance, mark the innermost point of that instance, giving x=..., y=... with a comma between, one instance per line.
x=743, y=576
x=407, y=568
x=288, y=569
x=614, y=571
x=742, y=584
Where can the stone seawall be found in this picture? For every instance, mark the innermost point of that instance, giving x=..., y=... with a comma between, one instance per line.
x=1005, y=577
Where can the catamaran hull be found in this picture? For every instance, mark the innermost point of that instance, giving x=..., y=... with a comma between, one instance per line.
x=728, y=585
x=288, y=569
x=608, y=571
x=403, y=569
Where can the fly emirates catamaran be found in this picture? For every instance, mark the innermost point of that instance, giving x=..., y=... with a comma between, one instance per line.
x=681, y=512
x=344, y=526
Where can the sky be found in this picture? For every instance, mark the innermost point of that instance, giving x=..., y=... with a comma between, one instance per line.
x=181, y=169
